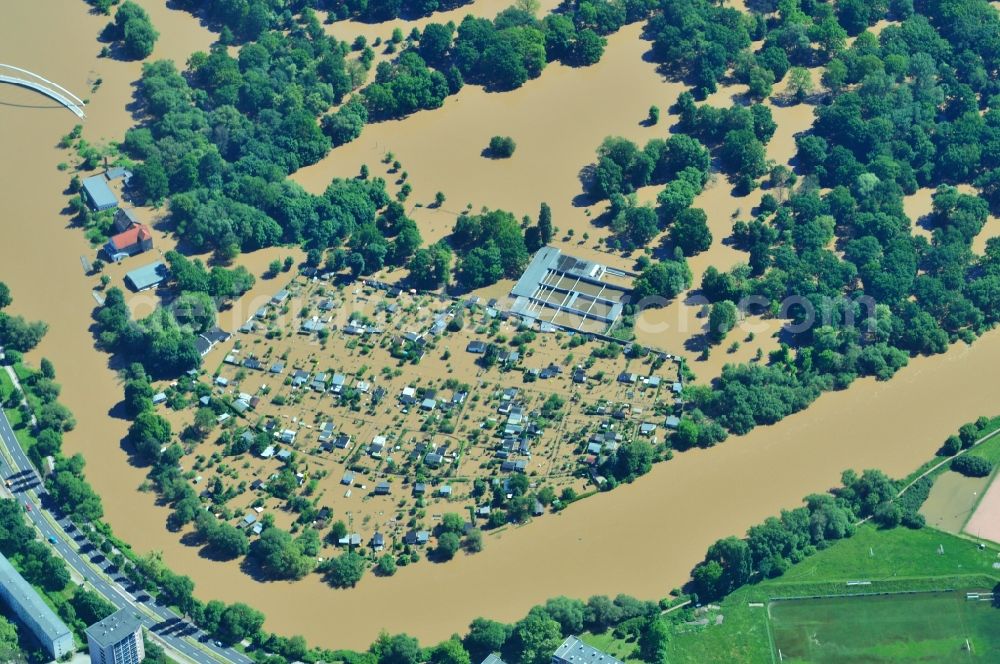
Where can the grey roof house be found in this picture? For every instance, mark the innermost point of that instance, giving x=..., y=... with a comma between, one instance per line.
x=147, y=276
x=99, y=194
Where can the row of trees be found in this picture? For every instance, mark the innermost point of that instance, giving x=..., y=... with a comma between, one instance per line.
x=500, y=54
x=771, y=547
x=33, y=558
x=375, y=11
x=69, y=491
x=247, y=20
x=534, y=638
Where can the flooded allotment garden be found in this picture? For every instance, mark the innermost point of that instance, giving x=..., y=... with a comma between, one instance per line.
x=391, y=409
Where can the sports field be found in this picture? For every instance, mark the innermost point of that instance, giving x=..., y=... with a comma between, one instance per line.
x=924, y=627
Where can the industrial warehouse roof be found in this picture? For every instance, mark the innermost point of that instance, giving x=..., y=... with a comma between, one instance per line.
x=147, y=276
x=114, y=628
x=575, y=651
x=570, y=292
x=100, y=194
x=29, y=601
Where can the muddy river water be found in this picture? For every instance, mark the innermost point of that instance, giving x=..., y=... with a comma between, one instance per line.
x=640, y=539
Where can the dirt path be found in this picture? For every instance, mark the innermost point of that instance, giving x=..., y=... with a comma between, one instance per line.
x=946, y=460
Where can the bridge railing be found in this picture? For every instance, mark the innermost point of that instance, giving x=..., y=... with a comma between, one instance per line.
x=59, y=92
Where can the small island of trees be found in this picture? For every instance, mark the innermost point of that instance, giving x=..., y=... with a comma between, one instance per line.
x=501, y=147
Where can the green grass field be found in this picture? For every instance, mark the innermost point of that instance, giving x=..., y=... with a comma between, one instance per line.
x=893, y=560
x=624, y=650
x=925, y=627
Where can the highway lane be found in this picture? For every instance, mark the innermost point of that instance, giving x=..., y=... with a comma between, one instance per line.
x=176, y=634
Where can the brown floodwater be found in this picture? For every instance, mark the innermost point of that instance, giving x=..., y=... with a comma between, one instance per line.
x=641, y=539
x=348, y=30
x=557, y=121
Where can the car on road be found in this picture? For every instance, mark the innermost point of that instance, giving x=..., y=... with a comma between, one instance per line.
x=27, y=507
x=218, y=644
x=52, y=539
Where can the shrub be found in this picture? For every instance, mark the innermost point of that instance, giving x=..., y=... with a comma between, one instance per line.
x=952, y=446
x=972, y=466
x=502, y=147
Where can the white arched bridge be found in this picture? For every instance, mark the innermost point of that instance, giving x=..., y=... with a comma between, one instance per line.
x=27, y=79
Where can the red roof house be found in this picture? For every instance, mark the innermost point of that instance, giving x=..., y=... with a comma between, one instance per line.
x=135, y=240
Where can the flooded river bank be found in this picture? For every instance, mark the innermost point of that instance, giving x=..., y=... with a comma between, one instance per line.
x=640, y=539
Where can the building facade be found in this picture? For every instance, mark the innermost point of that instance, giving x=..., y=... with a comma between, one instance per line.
x=117, y=639
x=24, y=601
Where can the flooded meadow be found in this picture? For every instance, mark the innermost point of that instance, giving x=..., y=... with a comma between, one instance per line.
x=642, y=538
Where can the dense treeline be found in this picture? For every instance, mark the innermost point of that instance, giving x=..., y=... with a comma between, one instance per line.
x=865, y=292
x=220, y=142
x=224, y=172
x=500, y=54
x=375, y=11
x=771, y=547
x=493, y=245
x=972, y=466
x=740, y=134
x=531, y=640
x=247, y=20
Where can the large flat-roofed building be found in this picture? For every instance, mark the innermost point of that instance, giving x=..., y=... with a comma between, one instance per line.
x=25, y=602
x=147, y=276
x=117, y=639
x=575, y=651
x=570, y=292
x=99, y=193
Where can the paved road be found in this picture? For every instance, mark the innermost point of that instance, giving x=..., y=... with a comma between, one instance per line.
x=180, y=637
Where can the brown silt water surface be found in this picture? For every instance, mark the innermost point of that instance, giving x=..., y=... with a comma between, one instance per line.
x=641, y=539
